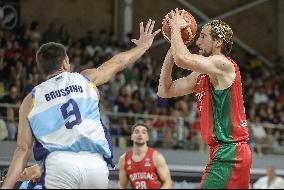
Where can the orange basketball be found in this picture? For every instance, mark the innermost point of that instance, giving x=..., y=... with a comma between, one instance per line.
x=166, y=30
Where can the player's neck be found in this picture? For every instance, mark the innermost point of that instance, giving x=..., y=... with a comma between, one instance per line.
x=140, y=150
x=217, y=52
x=55, y=73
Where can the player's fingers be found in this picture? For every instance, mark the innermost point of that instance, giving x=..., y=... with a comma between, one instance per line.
x=177, y=12
x=172, y=14
x=182, y=12
x=156, y=32
x=34, y=176
x=167, y=17
x=151, y=27
x=188, y=21
x=141, y=27
x=148, y=26
x=134, y=41
x=23, y=174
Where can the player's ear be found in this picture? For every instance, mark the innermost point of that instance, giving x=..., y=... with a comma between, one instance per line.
x=65, y=64
x=147, y=139
x=218, y=43
x=132, y=136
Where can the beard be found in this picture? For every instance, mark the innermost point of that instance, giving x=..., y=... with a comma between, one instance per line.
x=139, y=143
x=205, y=53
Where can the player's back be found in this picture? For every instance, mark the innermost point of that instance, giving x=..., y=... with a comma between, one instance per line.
x=66, y=117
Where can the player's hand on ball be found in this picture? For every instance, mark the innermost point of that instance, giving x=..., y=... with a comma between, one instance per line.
x=146, y=35
x=177, y=20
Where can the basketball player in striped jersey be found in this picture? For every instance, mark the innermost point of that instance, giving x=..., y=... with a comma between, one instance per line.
x=61, y=117
x=143, y=166
x=216, y=81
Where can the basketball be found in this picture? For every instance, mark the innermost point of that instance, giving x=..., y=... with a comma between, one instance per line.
x=186, y=36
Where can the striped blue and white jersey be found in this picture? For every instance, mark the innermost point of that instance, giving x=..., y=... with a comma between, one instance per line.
x=66, y=117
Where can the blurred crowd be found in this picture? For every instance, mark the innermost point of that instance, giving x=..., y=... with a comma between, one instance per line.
x=134, y=89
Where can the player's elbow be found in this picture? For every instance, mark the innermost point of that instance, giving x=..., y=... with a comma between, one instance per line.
x=170, y=183
x=162, y=92
x=122, y=186
x=167, y=184
x=179, y=59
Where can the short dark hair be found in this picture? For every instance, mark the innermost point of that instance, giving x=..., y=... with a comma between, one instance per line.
x=139, y=124
x=49, y=57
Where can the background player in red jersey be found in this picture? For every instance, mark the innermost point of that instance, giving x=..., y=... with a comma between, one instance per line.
x=143, y=166
x=217, y=83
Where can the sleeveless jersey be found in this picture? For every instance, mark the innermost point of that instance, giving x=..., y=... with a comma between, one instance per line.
x=221, y=112
x=143, y=174
x=66, y=117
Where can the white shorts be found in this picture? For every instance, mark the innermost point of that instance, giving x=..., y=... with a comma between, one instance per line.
x=70, y=170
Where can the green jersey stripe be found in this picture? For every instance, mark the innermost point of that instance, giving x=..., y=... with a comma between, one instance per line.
x=222, y=115
x=221, y=167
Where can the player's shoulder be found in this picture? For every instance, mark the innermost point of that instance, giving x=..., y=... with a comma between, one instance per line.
x=158, y=158
x=122, y=157
x=27, y=104
x=76, y=74
x=220, y=59
x=28, y=100
x=157, y=155
x=222, y=62
x=121, y=160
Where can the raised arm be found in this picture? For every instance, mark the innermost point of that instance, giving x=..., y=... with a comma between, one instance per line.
x=123, y=179
x=162, y=170
x=24, y=145
x=167, y=87
x=107, y=70
x=216, y=64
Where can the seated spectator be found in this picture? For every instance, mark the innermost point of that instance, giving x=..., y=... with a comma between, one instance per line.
x=260, y=136
x=195, y=137
x=3, y=130
x=270, y=181
x=11, y=113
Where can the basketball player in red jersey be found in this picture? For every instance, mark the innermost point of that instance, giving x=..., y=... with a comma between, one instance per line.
x=143, y=166
x=216, y=81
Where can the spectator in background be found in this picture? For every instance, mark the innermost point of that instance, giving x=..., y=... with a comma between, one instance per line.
x=260, y=136
x=11, y=113
x=260, y=96
x=195, y=137
x=64, y=35
x=51, y=34
x=3, y=41
x=35, y=34
x=270, y=181
x=3, y=130
x=3, y=71
x=262, y=84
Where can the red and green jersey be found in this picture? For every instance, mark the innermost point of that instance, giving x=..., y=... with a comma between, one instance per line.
x=224, y=128
x=221, y=112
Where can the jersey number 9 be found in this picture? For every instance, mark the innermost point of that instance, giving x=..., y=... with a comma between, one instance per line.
x=67, y=113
